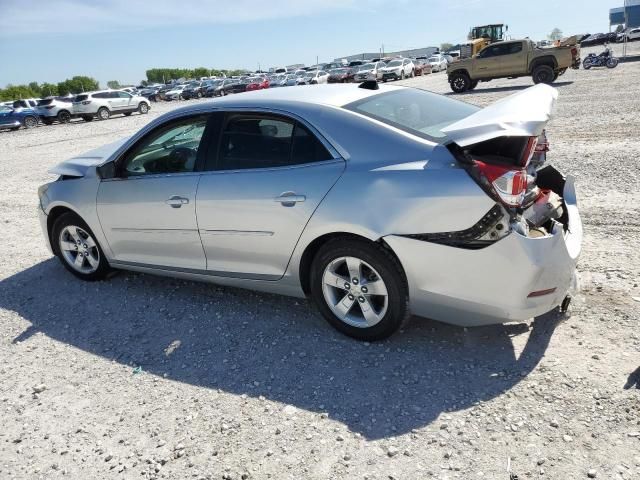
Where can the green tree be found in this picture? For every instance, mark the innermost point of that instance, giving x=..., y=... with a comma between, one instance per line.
x=77, y=84
x=16, y=92
x=48, y=90
x=556, y=34
x=113, y=84
x=445, y=47
x=201, y=72
x=35, y=88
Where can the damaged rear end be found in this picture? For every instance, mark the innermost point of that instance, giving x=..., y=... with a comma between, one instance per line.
x=519, y=260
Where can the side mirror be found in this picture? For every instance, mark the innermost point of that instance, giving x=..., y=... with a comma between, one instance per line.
x=106, y=171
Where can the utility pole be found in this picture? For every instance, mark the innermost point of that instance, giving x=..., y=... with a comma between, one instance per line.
x=317, y=60
x=382, y=50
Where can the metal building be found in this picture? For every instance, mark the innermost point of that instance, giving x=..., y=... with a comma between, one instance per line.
x=627, y=15
x=413, y=53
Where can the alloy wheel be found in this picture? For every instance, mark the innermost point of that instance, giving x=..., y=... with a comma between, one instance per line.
x=355, y=292
x=79, y=249
x=30, y=122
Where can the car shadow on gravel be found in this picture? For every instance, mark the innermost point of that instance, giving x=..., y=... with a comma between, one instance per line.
x=510, y=88
x=258, y=344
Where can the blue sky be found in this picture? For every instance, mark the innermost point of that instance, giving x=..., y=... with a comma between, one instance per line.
x=50, y=40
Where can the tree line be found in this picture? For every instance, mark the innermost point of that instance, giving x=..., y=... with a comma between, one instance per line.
x=81, y=83
x=164, y=75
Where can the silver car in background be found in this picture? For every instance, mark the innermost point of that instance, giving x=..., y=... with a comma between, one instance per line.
x=377, y=202
x=102, y=105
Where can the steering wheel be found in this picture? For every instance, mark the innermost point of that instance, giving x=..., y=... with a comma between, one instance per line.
x=179, y=158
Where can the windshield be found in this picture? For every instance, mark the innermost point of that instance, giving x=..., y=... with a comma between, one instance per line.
x=311, y=74
x=339, y=71
x=418, y=112
x=434, y=59
x=366, y=66
x=394, y=63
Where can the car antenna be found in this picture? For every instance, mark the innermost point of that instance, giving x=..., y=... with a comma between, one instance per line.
x=369, y=85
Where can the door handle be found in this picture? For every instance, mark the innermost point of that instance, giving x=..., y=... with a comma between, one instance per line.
x=176, y=202
x=289, y=199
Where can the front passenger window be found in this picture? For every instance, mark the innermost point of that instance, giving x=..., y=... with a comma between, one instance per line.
x=169, y=149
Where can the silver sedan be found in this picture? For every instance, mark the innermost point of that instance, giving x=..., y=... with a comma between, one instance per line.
x=376, y=201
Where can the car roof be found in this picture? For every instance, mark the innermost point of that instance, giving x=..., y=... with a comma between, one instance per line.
x=336, y=95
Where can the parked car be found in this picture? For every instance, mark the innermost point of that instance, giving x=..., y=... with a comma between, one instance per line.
x=438, y=63
x=279, y=80
x=258, y=83
x=422, y=67
x=291, y=80
x=130, y=90
x=598, y=39
x=210, y=91
x=314, y=77
x=175, y=93
x=369, y=71
x=162, y=91
x=235, y=86
x=357, y=63
x=103, y=104
x=631, y=35
x=14, y=118
x=471, y=234
x=25, y=103
x=397, y=69
x=341, y=75
x=193, y=90
x=151, y=92
x=55, y=108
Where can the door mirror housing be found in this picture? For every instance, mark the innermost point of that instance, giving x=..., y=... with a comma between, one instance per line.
x=106, y=171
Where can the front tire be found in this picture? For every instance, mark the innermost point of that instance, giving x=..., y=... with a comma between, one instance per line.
x=103, y=113
x=402, y=75
x=543, y=74
x=360, y=288
x=143, y=108
x=75, y=245
x=612, y=63
x=460, y=82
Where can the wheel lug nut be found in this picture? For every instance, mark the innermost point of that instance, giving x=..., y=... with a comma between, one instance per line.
x=351, y=297
x=361, y=299
x=355, y=281
x=347, y=285
x=364, y=289
x=85, y=245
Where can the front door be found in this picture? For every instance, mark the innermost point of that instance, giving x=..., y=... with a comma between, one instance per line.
x=269, y=176
x=148, y=212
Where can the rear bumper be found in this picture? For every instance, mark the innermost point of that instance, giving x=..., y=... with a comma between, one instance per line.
x=493, y=284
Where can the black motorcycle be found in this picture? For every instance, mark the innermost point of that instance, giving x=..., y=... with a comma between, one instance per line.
x=605, y=59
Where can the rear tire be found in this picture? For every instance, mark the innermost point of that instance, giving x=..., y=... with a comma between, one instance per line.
x=460, y=82
x=64, y=116
x=543, y=74
x=103, y=113
x=386, y=310
x=612, y=63
x=30, y=121
x=67, y=231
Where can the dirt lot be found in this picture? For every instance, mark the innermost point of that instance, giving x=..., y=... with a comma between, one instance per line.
x=146, y=377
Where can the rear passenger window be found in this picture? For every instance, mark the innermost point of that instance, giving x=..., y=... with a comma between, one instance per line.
x=266, y=142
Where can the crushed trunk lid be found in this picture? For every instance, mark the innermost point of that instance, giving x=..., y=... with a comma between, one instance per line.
x=523, y=114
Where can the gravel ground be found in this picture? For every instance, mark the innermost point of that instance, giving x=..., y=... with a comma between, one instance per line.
x=148, y=377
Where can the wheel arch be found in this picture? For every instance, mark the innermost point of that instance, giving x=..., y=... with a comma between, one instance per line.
x=457, y=71
x=53, y=215
x=549, y=60
x=310, y=251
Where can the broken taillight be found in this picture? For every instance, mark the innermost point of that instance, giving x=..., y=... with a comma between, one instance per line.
x=508, y=184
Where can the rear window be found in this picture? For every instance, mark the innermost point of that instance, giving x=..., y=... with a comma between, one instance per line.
x=47, y=101
x=418, y=112
x=80, y=98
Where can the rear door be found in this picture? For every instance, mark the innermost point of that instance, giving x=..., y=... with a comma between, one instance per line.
x=269, y=175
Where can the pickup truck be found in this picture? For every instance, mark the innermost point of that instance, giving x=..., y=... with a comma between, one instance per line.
x=511, y=59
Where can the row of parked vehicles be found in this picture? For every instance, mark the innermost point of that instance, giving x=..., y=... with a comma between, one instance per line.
x=381, y=70
x=101, y=105
x=89, y=106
